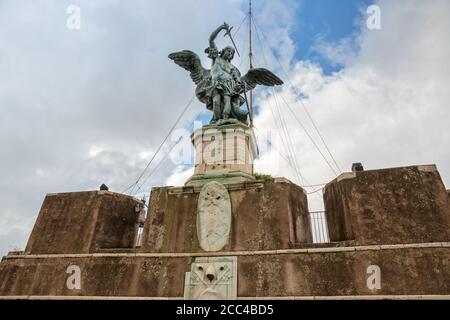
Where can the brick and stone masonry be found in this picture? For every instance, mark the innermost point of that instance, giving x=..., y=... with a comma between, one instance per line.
x=388, y=206
x=83, y=222
x=395, y=219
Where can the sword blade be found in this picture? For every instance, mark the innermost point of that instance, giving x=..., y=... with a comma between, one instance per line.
x=234, y=45
x=228, y=33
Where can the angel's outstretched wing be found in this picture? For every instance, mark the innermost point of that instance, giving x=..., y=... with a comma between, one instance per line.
x=260, y=76
x=191, y=62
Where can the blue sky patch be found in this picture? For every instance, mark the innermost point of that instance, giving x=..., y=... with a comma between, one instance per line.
x=329, y=20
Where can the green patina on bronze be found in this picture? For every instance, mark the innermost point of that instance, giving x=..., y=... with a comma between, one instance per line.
x=222, y=88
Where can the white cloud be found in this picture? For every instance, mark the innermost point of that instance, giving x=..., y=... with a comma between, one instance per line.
x=95, y=150
x=110, y=85
x=79, y=108
x=389, y=105
x=338, y=53
x=179, y=176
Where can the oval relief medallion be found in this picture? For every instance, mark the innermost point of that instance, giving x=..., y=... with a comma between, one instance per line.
x=213, y=216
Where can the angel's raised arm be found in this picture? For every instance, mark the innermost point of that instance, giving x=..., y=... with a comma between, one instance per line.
x=214, y=34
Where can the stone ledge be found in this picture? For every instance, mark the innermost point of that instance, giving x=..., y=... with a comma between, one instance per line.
x=86, y=298
x=230, y=177
x=337, y=249
x=287, y=251
x=361, y=297
x=99, y=192
x=427, y=168
x=376, y=247
x=234, y=253
x=424, y=245
x=251, y=184
x=345, y=176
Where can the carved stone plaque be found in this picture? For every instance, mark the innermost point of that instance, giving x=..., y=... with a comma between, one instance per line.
x=213, y=216
x=211, y=278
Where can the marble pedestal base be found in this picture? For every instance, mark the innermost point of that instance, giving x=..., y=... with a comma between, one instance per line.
x=223, y=153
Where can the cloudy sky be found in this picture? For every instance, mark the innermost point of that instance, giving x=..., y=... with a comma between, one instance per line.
x=81, y=107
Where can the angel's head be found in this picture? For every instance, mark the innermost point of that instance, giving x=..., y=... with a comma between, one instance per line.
x=227, y=53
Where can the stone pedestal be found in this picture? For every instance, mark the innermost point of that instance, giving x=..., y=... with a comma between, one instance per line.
x=265, y=215
x=223, y=153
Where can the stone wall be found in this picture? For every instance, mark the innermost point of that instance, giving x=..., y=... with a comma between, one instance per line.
x=81, y=222
x=399, y=205
x=265, y=215
x=323, y=272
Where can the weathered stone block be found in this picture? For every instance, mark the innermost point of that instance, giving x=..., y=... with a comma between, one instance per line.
x=108, y=276
x=388, y=206
x=403, y=272
x=81, y=222
x=265, y=216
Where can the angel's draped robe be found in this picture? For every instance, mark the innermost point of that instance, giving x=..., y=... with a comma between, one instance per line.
x=224, y=80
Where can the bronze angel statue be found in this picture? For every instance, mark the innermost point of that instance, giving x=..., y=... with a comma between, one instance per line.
x=222, y=88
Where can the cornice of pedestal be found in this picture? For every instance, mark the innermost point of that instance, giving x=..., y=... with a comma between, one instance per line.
x=212, y=130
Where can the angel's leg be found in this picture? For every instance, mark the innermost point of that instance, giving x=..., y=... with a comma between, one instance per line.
x=216, y=108
x=227, y=107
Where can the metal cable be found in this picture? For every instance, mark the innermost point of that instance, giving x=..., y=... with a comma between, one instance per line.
x=132, y=186
x=157, y=166
x=304, y=106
